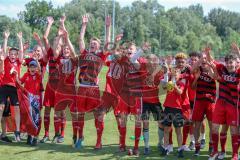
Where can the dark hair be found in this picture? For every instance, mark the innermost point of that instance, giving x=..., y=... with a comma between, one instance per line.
x=195, y=54
x=230, y=57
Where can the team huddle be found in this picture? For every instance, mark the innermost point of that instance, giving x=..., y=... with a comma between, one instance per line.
x=197, y=87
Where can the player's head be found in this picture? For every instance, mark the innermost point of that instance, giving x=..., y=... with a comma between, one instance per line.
x=238, y=61
x=94, y=45
x=204, y=61
x=194, y=57
x=131, y=49
x=13, y=54
x=66, y=51
x=181, y=60
x=37, y=52
x=153, y=59
x=231, y=62
x=33, y=67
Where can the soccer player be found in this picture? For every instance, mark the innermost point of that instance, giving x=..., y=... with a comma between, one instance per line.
x=205, y=86
x=151, y=103
x=90, y=63
x=173, y=109
x=12, y=61
x=226, y=109
x=32, y=81
x=67, y=62
x=53, y=79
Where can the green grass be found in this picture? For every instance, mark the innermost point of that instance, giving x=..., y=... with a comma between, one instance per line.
x=21, y=151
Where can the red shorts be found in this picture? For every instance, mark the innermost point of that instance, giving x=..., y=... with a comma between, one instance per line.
x=124, y=108
x=87, y=99
x=186, y=111
x=202, y=108
x=65, y=96
x=224, y=113
x=49, y=96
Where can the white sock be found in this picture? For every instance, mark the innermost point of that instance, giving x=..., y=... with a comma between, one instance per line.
x=192, y=138
x=202, y=136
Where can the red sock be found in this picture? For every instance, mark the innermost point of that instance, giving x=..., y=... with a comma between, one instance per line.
x=57, y=125
x=40, y=125
x=63, y=125
x=122, y=136
x=46, y=124
x=215, y=139
x=80, y=128
x=137, y=136
x=170, y=136
x=191, y=130
x=197, y=146
x=186, y=129
x=99, y=126
x=238, y=141
x=234, y=144
x=75, y=128
x=223, y=139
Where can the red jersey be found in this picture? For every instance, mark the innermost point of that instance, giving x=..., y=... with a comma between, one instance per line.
x=228, y=85
x=32, y=83
x=116, y=75
x=191, y=92
x=206, y=88
x=173, y=99
x=53, y=66
x=90, y=66
x=1, y=77
x=40, y=61
x=67, y=69
x=153, y=97
x=185, y=75
x=8, y=78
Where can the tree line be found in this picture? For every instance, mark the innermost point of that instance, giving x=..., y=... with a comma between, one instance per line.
x=168, y=31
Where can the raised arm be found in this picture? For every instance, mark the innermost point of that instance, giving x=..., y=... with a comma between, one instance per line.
x=20, y=52
x=45, y=37
x=5, y=35
x=235, y=49
x=1, y=60
x=82, y=33
x=44, y=52
x=108, y=31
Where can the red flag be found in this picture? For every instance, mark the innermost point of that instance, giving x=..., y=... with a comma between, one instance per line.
x=30, y=111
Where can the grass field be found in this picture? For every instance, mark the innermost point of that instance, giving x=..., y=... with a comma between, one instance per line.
x=21, y=151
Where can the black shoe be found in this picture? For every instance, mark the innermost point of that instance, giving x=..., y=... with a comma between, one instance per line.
x=55, y=138
x=44, y=139
x=210, y=149
x=29, y=139
x=165, y=152
x=196, y=153
x=180, y=153
x=17, y=136
x=34, y=142
x=160, y=148
x=5, y=139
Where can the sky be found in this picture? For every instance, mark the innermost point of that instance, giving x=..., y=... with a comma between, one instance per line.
x=12, y=7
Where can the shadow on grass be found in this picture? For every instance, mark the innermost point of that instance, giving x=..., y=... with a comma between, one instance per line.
x=110, y=150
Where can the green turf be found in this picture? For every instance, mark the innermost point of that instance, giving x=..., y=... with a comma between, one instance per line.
x=21, y=151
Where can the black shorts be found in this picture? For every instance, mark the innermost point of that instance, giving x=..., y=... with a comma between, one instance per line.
x=9, y=92
x=173, y=116
x=154, y=108
x=7, y=110
x=191, y=104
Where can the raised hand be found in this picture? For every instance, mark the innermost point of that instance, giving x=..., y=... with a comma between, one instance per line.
x=108, y=21
x=85, y=19
x=6, y=34
x=146, y=46
x=50, y=20
x=118, y=37
x=26, y=45
x=19, y=35
x=36, y=36
x=63, y=18
x=235, y=49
